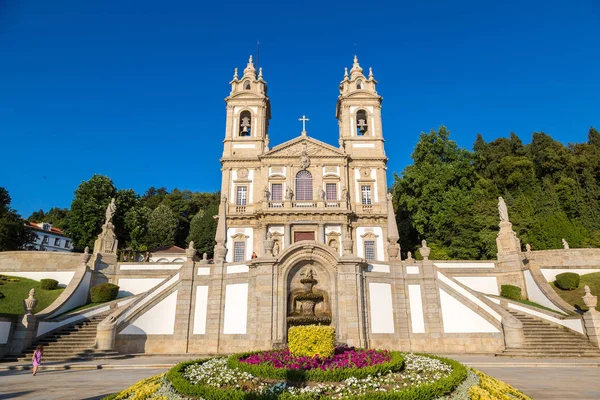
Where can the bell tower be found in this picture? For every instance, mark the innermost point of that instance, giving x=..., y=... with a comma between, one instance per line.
x=358, y=112
x=248, y=115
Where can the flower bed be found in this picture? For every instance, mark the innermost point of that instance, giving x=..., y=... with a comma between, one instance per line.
x=423, y=377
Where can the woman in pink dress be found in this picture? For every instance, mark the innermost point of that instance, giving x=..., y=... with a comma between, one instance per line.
x=37, y=358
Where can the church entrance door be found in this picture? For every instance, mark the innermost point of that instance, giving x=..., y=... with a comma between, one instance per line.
x=298, y=236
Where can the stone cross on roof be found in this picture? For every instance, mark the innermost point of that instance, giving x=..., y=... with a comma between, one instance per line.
x=304, y=120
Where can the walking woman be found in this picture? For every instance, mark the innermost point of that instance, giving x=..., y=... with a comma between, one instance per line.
x=37, y=358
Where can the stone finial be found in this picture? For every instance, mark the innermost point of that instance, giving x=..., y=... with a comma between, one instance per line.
x=268, y=244
x=565, y=244
x=220, y=236
x=85, y=257
x=204, y=258
x=235, y=74
x=345, y=73
x=409, y=258
x=190, y=252
x=371, y=77
x=392, y=230
x=356, y=69
x=249, y=71
x=191, y=244
x=30, y=302
x=260, y=75
x=590, y=300
x=424, y=250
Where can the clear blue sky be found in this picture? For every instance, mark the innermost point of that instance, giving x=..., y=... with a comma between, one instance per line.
x=134, y=89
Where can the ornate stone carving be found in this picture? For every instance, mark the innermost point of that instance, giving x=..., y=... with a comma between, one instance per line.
x=409, y=258
x=268, y=245
x=85, y=257
x=242, y=173
x=107, y=240
x=424, y=250
x=30, y=302
x=365, y=173
x=304, y=160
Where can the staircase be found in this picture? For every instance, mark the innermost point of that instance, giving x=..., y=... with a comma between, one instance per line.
x=71, y=343
x=543, y=339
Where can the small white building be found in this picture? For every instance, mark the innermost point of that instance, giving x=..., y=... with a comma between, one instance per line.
x=49, y=238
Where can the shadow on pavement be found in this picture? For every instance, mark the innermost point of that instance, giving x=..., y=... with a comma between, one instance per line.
x=15, y=394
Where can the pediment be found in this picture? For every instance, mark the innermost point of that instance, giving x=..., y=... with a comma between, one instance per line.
x=295, y=147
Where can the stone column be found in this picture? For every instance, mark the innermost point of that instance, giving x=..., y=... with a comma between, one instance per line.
x=288, y=235
x=591, y=318
x=263, y=236
x=321, y=233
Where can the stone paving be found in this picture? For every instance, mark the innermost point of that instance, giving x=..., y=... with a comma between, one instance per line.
x=539, y=378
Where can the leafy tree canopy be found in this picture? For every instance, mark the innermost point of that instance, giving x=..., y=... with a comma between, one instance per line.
x=13, y=233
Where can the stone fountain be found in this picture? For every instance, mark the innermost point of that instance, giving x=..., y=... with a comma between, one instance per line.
x=305, y=302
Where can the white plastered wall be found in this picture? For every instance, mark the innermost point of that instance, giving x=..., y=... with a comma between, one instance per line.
x=417, y=319
x=78, y=298
x=360, y=247
x=231, y=232
x=131, y=286
x=536, y=295
x=4, y=331
x=458, y=318
x=200, y=310
x=236, y=309
x=158, y=320
x=483, y=284
x=382, y=311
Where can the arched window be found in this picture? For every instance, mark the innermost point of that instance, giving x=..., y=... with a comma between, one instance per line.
x=362, y=126
x=247, y=85
x=245, y=123
x=304, y=186
x=359, y=84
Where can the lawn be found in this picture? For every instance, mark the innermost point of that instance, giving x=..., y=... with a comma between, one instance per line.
x=574, y=297
x=16, y=292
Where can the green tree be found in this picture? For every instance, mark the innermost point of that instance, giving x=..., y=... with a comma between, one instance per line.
x=88, y=210
x=203, y=229
x=58, y=217
x=126, y=200
x=162, y=227
x=136, y=225
x=13, y=233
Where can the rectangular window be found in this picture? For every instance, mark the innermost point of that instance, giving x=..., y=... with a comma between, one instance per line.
x=67, y=244
x=366, y=194
x=46, y=239
x=277, y=192
x=57, y=242
x=239, y=251
x=241, y=195
x=331, y=191
x=370, y=250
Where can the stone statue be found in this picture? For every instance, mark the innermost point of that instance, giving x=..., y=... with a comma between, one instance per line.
x=565, y=244
x=424, y=250
x=389, y=196
x=344, y=194
x=205, y=256
x=502, y=210
x=334, y=246
x=323, y=194
x=289, y=194
x=110, y=210
x=527, y=247
x=276, y=248
x=266, y=193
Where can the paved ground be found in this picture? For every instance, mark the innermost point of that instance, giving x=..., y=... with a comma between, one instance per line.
x=538, y=378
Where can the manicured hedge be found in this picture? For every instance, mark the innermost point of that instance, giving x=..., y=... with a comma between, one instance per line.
x=315, y=375
x=312, y=340
x=567, y=281
x=104, y=292
x=510, y=292
x=48, y=284
x=424, y=392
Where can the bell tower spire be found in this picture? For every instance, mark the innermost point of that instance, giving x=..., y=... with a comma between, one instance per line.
x=359, y=113
x=248, y=115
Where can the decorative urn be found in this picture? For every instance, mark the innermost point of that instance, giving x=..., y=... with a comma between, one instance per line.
x=30, y=302
x=590, y=300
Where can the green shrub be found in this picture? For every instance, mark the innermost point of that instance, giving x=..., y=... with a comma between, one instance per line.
x=567, y=281
x=48, y=284
x=312, y=340
x=2, y=295
x=510, y=292
x=396, y=364
x=104, y=292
